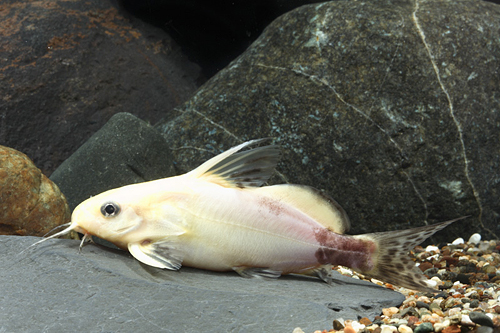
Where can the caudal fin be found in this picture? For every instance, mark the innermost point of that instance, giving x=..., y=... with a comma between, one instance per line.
x=392, y=263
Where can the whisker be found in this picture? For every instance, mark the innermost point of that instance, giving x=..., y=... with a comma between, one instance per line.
x=60, y=233
x=86, y=237
x=58, y=227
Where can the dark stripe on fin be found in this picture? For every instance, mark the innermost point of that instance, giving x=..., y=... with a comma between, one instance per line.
x=257, y=272
x=392, y=263
x=250, y=168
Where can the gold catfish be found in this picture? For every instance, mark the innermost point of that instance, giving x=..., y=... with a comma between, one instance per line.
x=218, y=217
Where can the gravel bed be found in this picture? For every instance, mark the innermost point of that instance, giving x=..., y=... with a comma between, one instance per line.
x=467, y=275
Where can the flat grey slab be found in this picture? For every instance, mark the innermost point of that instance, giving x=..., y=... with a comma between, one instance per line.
x=54, y=288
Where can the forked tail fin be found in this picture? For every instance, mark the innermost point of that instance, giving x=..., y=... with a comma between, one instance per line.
x=391, y=262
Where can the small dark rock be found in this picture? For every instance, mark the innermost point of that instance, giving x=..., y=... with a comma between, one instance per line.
x=337, y=325
x=482, y=284
x=431, y=272
x=424, y=328
x=474, y=296
x=481, y=318
x=441, y=294
x=464, y=278
x=433, y=306
x=484, y=329
x=446, y=285
x=474, y=303
x=466, y=266
x=409, y=311
x=449, y=275
x=421, y=304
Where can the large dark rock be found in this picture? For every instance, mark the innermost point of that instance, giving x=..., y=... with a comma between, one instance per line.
x=68, y=66
x=54, y=288
x=392, y=108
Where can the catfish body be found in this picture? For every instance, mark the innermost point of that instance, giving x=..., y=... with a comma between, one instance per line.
x=218, y=217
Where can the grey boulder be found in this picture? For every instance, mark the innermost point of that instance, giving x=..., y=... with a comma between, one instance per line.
x=54, y=288
x=126, y=150
x=391, y=108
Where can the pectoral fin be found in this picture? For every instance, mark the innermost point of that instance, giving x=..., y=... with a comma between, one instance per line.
x=161, y=254
x=259, y=272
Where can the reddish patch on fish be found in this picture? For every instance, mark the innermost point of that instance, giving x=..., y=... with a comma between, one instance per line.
x=273, y=206
x=344, y=250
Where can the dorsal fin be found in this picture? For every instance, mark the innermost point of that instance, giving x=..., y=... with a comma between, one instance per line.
x=310, y=201
x=249, y=168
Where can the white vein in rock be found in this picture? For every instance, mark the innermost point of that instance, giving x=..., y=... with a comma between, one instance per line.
x=452, y=112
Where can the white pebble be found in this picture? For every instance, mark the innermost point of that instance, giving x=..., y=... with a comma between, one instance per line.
x=388, y=329
x=430, y=248
x=345, y=271
x=466, y=320
x=357, y=326
x=458, y=241
x=431, y=283
x=380, y=283
x=475, y=238
x=441, y=326
x=484, y=246
x=298, y=330
x=404, y=329
x=435, y=256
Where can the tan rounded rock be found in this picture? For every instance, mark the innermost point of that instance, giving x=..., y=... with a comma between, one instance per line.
x=30, y=203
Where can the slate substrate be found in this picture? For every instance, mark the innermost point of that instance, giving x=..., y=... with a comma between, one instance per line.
x=54, y=288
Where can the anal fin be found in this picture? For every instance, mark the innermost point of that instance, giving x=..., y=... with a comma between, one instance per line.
x=257, y=272
x=161, y=254
x=323, y=272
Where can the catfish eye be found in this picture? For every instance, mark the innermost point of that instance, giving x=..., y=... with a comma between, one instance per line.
x=110, y=209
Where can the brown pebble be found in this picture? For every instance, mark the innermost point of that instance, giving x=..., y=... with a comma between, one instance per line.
x=377, y=330
x=412, y=320
x=349, y=329
x=497, y=308
x=419, y=249
x=425, y=266
x=496, y=322
x=365, y=321
x=450, y=260
x=337, y=325
x=451, y=329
